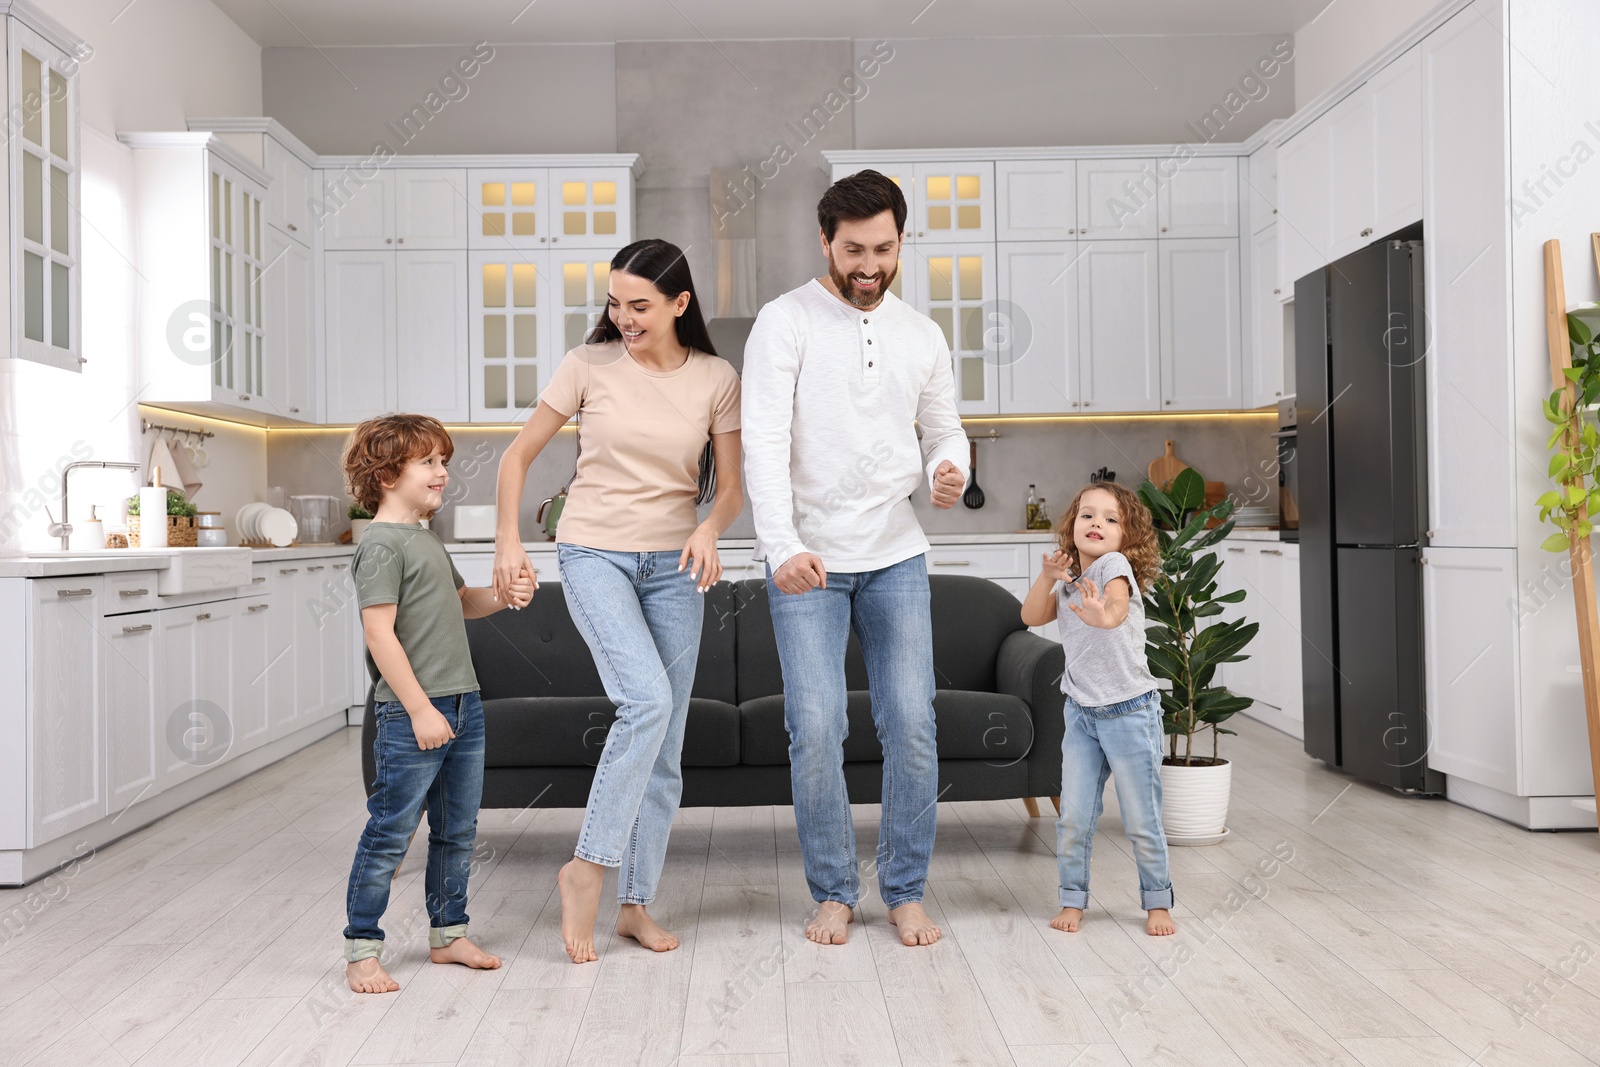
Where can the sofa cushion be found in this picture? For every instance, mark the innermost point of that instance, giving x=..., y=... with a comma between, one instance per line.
x=981, y=726
x=971, y=617
x=538, y=652
x=571, y=732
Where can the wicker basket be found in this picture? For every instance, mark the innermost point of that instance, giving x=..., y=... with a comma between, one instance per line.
x=182, y=531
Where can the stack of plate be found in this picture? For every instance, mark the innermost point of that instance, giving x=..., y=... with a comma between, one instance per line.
x=263, y=522
x=1256, y=516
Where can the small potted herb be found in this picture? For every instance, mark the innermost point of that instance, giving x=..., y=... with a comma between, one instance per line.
x=183, y=529
x=359, y=517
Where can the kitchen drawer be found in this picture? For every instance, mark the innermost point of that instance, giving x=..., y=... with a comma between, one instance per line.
x=130, y=591
x=981, y=561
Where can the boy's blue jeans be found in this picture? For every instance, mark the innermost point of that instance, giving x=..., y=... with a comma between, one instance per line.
x=889, y=611
x=1121, y=741
x=448, y=781
x=641, y=618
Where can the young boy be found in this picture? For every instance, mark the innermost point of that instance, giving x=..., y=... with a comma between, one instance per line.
x=429, y=747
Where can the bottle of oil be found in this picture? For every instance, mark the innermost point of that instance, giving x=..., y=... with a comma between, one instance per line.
x=1031, y=521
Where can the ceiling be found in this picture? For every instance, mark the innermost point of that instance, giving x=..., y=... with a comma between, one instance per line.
x=299, y=23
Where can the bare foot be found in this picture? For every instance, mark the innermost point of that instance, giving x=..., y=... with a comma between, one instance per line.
x=464, y=952
x=633, y=921
x=580, y=882
x=915, y=926
x=1068, y=920
x=1159, y=923
x=368, y=976
x=830, y=925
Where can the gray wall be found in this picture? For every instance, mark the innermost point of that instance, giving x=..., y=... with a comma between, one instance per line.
x=1057, y=457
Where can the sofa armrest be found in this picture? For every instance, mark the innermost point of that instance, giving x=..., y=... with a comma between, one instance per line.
x=1030, y=669
x=369, y=736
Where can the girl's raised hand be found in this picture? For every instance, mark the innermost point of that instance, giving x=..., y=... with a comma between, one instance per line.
x=1057, y=566
x=1092, y=606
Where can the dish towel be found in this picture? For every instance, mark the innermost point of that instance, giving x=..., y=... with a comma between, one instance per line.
x=176, y=470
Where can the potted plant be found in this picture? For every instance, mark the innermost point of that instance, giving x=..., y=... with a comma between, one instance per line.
x=182, y=526
x=1185, y=649
x=359, y=517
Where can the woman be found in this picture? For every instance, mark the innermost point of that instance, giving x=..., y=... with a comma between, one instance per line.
x=658, y=434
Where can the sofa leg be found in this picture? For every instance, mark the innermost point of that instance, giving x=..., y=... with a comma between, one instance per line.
x=1032, y=804
x=1057, y=802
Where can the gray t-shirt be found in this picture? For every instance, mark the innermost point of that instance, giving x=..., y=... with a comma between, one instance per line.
x=1104, y=666
x=398, y=563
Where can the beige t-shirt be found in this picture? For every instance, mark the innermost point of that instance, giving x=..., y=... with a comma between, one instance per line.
x=640, y=436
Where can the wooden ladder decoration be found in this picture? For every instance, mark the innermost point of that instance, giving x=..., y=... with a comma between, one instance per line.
x=1581, y=551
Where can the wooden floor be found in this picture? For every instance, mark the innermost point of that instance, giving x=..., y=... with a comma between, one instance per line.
x=1398, y=931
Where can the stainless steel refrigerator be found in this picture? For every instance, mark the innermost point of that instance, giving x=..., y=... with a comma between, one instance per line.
x=1360, y=337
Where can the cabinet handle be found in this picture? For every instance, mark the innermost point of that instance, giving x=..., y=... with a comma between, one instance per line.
x=1367, y=232
x=244, y=396
x=340, y=566
x=293, y=228
x=203, y=616
x=1074, y=403
x=1163, y=229
x=253, y=608
x=1272, y=551
x=388, y=240
x=288, y=570
x=402, y=240
x=1274, y=211
x=952, y=563
x=294, y=411
x=1275, y=292
x=1232, y=548
x=542, y=240
x=137, y=629
x=1169, y=403
x=1086, y=403
x=133, y=592
x=74, y=592
x=258, y=581
x=313, y=570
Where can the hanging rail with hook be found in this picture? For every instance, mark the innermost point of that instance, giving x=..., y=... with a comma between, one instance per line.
x=145, y=426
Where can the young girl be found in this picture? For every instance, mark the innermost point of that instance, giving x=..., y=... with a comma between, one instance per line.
x=1109, y=554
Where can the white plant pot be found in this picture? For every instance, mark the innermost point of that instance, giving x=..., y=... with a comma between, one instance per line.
x=357, y=528
x=1194, y=800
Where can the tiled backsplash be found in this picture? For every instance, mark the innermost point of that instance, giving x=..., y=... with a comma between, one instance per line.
x=1057, y=457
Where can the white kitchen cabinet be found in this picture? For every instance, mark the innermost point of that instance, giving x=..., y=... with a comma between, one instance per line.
x=360, y=319
x=509, y=209
x=290, y=327
x=1265, y=368
x=282, y=655
x=329, y=582
x=357, y=209
x=1118, y=198
x=585, y=281
x=298, y=625
x=1303, y=204
x=1200, y=198
x=594, y=209
x=1119, y=326
x=249, y=639
x=510, y=334
x=1397, y=143
x=1261, y=179
x=1471, y=664
x=1350, y=182
x=430, y=209
x=131, y=723
x=422, y=207
x=955, y=285
x=66, y=735
x=294, y=186
x=1036, y=199
x=1038, y=281
x=952, y=202
x=1269, y=574
x=1200, y=348
x=431, y=351
x=195, y=690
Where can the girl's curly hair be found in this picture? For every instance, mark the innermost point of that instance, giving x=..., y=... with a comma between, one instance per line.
x=379, y=449
x=1140, y=544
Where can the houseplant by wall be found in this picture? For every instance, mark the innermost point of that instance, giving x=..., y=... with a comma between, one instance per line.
x=359, y=517
x=1185, y=643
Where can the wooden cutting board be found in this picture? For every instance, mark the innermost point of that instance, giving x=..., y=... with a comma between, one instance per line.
x=1166, y=467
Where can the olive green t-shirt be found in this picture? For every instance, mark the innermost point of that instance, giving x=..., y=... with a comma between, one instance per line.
x=405, y=565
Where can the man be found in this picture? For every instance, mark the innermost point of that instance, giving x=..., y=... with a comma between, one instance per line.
x=836, y=375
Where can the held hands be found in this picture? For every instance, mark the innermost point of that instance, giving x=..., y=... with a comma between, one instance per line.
x=948, y=482
x=801, y=573
x=514, y=580
x=700, y=556
x=432, y=729
x=1057, y=567
x=520, y=593
x=1093, y=609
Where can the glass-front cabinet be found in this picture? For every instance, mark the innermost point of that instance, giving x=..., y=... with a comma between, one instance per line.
x=532, y=208
x=42, y=128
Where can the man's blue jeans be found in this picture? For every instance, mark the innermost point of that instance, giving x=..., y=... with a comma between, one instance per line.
x=888, y=610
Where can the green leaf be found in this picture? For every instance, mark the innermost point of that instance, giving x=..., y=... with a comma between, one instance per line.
x=1558, y=463
x=1573, y=374
x=1556, y=542
x=1551, y=499
x=1188, y=489
x=1578, y=330
x=1575, y=495
x=1585, y=528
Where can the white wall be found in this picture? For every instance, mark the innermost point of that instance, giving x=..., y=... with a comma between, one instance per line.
x=1344, y=36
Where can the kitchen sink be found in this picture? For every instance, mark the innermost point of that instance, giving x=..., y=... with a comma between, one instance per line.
x=186, y=570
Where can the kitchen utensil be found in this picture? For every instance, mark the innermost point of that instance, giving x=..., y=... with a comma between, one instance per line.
x=1102, y=475
x=973, y=497
x=475, y=522
x=1166, y=467
x=211, y=537
x=550, y=513
x=313, y=516
x=209, y=520
x=278, y=526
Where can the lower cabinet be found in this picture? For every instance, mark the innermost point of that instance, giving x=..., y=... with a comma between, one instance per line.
x=133, y=740
x=66, y=731
x=1269, y=574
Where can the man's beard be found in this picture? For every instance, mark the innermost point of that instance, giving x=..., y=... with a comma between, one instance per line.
x=848, y=289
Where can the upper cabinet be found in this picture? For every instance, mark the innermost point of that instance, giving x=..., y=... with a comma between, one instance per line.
x=1037, y=199
x=1117, y=199
x=1201, y=198
x=43, y=165
x=393, y=209
x=540, y=207
x=946, y=201
x=1303, y=207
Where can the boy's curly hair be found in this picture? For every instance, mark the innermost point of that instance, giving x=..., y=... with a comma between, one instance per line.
x=379, y=449
x=1140, y=544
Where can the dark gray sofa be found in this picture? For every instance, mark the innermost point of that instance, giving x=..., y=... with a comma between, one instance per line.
x=998, y=704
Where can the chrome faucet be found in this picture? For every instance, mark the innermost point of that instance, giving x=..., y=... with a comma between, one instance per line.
x=63, y=529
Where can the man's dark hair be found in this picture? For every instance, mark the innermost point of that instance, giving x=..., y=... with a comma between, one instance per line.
x=860, y=196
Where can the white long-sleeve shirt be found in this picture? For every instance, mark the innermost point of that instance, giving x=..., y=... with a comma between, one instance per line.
x=831, y=456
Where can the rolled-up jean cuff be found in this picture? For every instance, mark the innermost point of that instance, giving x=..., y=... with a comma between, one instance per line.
x=361, y=948
x=1075, y=898
x=902, y=902
x=593, y=858
x=440, y=936
x=1152, y=899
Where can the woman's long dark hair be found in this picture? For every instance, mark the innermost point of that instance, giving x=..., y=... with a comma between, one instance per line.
x=663, y=263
